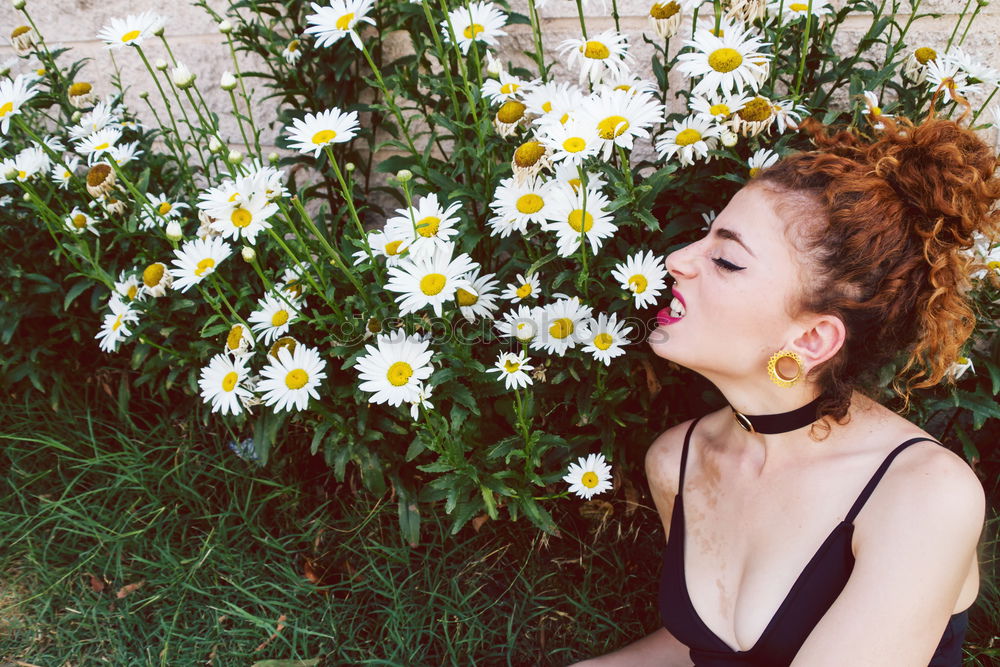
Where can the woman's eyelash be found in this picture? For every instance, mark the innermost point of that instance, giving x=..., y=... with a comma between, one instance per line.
x=727, y=265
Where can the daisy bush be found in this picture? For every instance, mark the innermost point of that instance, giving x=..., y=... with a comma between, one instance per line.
x=443, y=275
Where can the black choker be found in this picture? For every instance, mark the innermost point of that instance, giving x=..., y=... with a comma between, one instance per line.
x=781, y=422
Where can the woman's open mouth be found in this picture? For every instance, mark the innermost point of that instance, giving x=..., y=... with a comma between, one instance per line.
x=674, y=313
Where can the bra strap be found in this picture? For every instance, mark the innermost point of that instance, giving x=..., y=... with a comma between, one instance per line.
x=684, y=455
x=873, y=482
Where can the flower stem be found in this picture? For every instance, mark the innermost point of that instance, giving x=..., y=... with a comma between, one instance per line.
x=583, y=22
x=246, y=98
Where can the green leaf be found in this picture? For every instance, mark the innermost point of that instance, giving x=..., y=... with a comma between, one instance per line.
x=75, y=291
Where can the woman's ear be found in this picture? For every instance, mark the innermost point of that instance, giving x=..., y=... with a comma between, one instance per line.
x=822, y=340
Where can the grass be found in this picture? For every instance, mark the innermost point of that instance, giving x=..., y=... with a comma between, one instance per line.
x=156, y=545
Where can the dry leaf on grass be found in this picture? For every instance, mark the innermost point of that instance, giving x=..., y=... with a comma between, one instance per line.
x=129, y=588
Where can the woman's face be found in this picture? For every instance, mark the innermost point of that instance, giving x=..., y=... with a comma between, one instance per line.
x=735, y=283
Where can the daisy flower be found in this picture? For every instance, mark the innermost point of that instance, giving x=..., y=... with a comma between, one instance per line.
x=690, y=139
x=794, y=11
x=530, y=158
x=509, y=117
x=630, y=83
x=561, y=325
x=787, y=114
x=513, y=368
x=98, y=143
x=423, y=393
x=340, y=18
x=522, y=288
x=991, y=258
x=312, y=133
x=30, y=161
x=79, y=222
x=196, y=260
x=384, y=244
x=62, y=174
x=156, y=279
x=292, y=52
x=726, y=63
x=959, y=368
x=131, y=31
x=247, y=220
x=946, y=75
x=589, y=476
x=976, y=71
x=572, y=217
x=506, y=87
x=568, y=176
x=273, y=317
x=290, y=379
x=761, y=159
x=221, y=384
x=520, y=323
x=101, y=116
x=608, y=336
x=480, y=300
x=239, y=341
x=393, y=370
x=553, y=102
x=619, y=116
x=426, y=227
x=13, y=94
x=479, y=22
x=719, y=108
x=599, y=56
x=115, y=327
x=517, y=204
x=430, y=280
x=125, y=153
x=161, y=209
x=644, y=275
x=573, y=141
x=128, y=287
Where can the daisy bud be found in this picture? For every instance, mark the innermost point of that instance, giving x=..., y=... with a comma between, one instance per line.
x=11, y=174
x=160, y=64
x=159, y=31
x=144, y=95
x=404, y=175
x=228, y=81
x=225, y=27
x=18, y=4
x=174, y=231
x=349, y=167
x=273, y=158
x=493, y=66
x=234, y=157
x=249, y=254
x=25, y=197
x=76, y=116
x=728, y=138
x=183, y=77
x=214, y=145
x=4, y=71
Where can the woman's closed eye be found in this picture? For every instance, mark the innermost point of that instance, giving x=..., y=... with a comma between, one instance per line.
x=727, y=266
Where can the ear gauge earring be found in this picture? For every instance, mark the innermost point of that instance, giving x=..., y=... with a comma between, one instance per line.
x=783, y=379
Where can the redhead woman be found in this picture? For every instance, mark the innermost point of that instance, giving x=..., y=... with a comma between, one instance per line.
x=807, y=524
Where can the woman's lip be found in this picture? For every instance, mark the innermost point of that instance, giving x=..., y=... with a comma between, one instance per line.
x=679, y=297
x=664, y=317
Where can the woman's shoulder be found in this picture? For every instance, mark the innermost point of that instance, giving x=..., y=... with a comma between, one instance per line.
x=663, y=458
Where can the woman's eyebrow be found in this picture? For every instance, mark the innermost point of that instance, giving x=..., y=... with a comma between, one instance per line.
x=724, y=233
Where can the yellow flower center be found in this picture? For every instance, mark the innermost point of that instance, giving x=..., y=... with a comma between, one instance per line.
x=130, y=35
x=18, y=31
x=925, y=54
x=510, y=112
x=466, y=298
x=241, y=218
x=589, y=479
x=296, y=379
x=392, y=247
x=152, y=275
x=203, y=266
x=724, y=59
x=399, y=373
x=524, y=291
x=596, y=50
x=511, y=366
x=719, y=109
x=528, y=153
x=574, y=144
x=575, y=183
x=687, y=137
x=132, y=291
x=995, y=264
x=665, y=10
x=547, y=107
x=798, y=7
x=638, y=283
x=293, y=45
x=432, y=284
x=471, y=31
x=235, y=337
x=428, y=227
x=876, y=111
x=344, y=22
x=79, y=221
x=754, y=171
x=118, y=323
x=509, y=88
x=6, y=108
x=165, y=208
x=77, y=89
x=280, y=318
x=963, y=360
x=324, y=137
x=612, y=127
x=283, y=343
x=229, y=382
x=101, y=147
x=561, y=327
x=529, y=203
x=580, y=221
x=756, y=110
x=603, y=341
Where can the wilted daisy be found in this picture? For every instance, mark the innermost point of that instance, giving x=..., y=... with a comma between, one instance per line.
x=643, y=274
x=947, y=76
x=761, y=159
x=746, y=11
x=513, y=368
x=79, y=222
x=959, y=368
x=915, y=67
x=481, y=299
x=273, y=317
x=530, y=158
x=429, y=280
x=577, y=215
x=115, y=327
x=239, y=341
x=292, y=52
x=156, y=279
x=506, y=87
x=509, y=117
x=517, y=204
x=291, y=379
x=221, y=384
x=520, y=323
x=561, y=325
x=98, y=143
x=480, y=22
x=607, y=337
x=247, y=220
x=426, y=226
x=130, y=31
x=573, y=141
x=383, y=244
x=312, y=133
x=600, y=56
x=690, y=139
x=393, y=370
x=340, y=18
x=22, y=39
x=794, y=11
x=618, y=116
x=13, y=94
x=524, y=287
x=665, y=18
x=196, y=260
x=589, y=476
x=726, y=63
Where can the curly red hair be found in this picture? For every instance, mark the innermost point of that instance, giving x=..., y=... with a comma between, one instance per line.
x=897, y=219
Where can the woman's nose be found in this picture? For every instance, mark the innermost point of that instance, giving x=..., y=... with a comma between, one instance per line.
x=679, y=264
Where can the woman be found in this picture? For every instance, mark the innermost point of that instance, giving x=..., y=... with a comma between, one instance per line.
x=807, y=524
